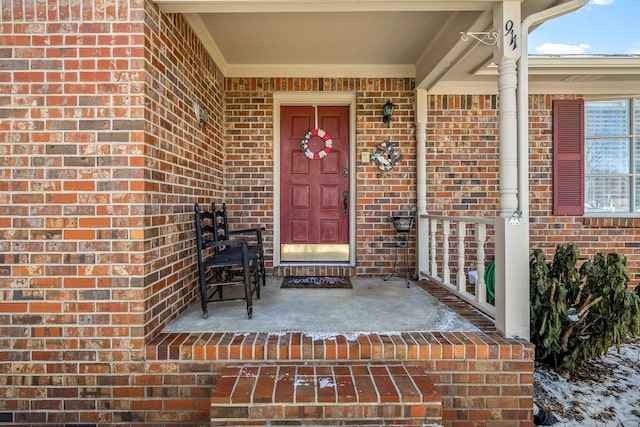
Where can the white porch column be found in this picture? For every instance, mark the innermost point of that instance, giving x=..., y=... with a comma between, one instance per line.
x=508, y=169
x=506, y=19
x=422, y=225
x=512, y=234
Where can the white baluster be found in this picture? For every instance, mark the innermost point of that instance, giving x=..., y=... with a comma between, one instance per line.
x=481, y=238
x=432, y=231
x=461, y=277
x=446, y=271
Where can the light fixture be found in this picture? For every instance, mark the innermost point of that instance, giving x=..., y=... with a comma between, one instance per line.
x=201, y=114
x=402, y=223
x=387, y=112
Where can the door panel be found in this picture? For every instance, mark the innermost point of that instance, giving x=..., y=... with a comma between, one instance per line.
x=300, y=197
x=331, y=164
x=330, y=197
x=299, y=231
x=330, y=229
x=313, y=218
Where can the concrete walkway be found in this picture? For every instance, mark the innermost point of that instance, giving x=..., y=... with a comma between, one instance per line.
x=373, y=305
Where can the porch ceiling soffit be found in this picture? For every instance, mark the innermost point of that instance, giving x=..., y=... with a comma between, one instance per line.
x=328, y=38
x=356, y=38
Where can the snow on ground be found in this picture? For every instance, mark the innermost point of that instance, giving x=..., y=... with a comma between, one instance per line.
x=608, y=395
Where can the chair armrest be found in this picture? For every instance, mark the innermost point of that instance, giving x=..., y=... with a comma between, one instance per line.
x=248, y=230
x=257, y=230
x=225, y=243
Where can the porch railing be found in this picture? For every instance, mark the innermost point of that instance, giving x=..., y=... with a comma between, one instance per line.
x=454, y=246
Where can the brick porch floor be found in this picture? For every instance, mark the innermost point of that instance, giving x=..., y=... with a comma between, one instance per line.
x=484, y=379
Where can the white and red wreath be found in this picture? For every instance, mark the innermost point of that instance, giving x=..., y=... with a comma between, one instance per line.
x=328, y=144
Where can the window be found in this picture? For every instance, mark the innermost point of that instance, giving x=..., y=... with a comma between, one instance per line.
x=612, y=156
x=596, y=157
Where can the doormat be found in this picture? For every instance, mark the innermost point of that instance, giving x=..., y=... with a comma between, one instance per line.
x=327, y=282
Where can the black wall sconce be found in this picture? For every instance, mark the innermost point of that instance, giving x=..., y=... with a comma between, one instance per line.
x=387, y=112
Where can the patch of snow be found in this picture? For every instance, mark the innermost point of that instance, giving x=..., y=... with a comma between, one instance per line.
x=447, y=321
x=607, y=395
x=302, y=381
x=244, y=372
x=349, y=336
x=327, y=383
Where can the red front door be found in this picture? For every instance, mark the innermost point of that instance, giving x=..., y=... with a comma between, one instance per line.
x=314, y=192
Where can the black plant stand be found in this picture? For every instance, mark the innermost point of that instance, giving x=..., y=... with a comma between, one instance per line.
x=402, y=225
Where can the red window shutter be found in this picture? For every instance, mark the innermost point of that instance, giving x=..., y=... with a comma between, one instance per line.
x=568, y=157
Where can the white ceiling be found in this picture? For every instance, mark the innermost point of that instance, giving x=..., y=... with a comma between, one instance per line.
x=359, y=38
x=323, y=37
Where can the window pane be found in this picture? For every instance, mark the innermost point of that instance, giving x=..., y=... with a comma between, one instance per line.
x=638, y=155
x=608, y=156
x=637, y=195
x=637, y=115
x=607, y=118
x=607, y=194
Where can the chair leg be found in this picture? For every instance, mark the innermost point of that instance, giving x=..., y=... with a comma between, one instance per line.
x=247, y=283
x=247, y=291
x=257, y=273
x=203, y=298
x=263, y=272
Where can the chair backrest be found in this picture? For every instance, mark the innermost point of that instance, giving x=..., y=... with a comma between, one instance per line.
x=220, y=223
x=204, y=235
x=204, y=226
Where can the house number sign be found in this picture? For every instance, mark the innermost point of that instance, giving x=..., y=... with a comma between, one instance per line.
x=510, y=34
x=506, y=19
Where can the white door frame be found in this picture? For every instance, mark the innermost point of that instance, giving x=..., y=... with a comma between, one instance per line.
x=314, y=98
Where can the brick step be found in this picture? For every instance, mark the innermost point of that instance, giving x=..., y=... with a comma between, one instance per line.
x=363, y=394
x=313, y=270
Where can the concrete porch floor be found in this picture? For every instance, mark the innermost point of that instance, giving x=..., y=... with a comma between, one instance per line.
x=373, y=305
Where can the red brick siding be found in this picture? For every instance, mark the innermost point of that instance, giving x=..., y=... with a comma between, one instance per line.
x=184, y=161
x=102, y=161
x=462, y=155
x=73, y=206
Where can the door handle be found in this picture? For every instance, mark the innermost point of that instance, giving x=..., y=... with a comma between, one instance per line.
x=345, y=201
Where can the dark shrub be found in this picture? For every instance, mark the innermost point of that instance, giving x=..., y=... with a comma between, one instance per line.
x=578, y=313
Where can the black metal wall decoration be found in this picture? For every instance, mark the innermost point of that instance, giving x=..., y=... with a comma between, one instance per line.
x=387, y=155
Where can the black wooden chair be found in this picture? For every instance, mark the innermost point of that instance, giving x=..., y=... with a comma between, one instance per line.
x=254, y=236
x=224, y=262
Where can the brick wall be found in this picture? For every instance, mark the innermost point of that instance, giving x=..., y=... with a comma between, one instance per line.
x=184, y=161
x=102, y=161
x=462, y=155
